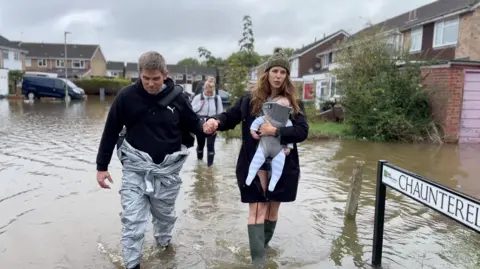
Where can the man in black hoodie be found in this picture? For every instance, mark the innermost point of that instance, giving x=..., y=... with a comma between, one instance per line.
x=152, y=154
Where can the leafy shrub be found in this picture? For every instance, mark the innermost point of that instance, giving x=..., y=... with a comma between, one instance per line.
x=111, y=85
x=384, y=99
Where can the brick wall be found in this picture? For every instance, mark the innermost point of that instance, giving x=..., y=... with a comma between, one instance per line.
x=446, y=98
x=469, y=36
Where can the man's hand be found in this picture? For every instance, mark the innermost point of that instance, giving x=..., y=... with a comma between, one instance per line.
x=267, y=129
x=254, y=134
x=287, y=151
x=101, y=176
x=210, y=126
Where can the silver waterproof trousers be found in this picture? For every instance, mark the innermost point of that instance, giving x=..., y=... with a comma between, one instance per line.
x=147, y=188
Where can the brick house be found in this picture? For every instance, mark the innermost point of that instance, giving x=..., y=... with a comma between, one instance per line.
x=82, y=60
x=443, y=30
x=182, y=75
x=115, y=69
x=131, y=71
x=304, y=61
x=315, y=63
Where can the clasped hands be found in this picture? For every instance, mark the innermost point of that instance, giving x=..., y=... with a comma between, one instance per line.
x=266, y=129
x=210, y=126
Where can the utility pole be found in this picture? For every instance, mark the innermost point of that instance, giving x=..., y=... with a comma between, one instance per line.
x=65, y=64
x=186, y=75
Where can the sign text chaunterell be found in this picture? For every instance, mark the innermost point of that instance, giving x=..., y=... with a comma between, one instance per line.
x=463, y=210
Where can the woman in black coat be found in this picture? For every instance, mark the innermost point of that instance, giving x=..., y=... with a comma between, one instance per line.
x=264, y=205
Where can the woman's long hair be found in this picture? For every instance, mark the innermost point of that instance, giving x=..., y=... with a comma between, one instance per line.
x=263, y=90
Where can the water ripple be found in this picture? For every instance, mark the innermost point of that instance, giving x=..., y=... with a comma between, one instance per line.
x=47, y=167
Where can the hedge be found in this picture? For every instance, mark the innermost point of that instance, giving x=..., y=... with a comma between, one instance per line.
x=111, y=85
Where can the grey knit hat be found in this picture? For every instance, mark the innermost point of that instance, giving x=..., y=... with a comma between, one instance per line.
x=278, y=59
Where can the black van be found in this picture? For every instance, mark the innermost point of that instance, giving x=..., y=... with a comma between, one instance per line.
x=39, y=86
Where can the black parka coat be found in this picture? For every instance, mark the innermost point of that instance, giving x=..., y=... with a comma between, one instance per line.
x=286, y=188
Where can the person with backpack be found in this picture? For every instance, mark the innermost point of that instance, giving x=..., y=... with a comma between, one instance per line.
x=159, y=122
x=207, y=104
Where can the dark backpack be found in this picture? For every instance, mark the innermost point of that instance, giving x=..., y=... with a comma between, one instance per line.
x=188, y=139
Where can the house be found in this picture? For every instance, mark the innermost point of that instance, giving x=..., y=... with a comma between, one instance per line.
x=180, y=74
x=304, y=61
x=115, y=69
x=312, y=64
x=443, y=30
x=255, y=72
x=82, y=60
x=12, y=57
x=131, y=71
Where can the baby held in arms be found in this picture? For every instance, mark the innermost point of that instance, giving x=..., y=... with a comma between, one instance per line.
x=277, y=112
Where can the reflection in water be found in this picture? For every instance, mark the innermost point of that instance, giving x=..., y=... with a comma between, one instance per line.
x=54, y=215
x=347, y=244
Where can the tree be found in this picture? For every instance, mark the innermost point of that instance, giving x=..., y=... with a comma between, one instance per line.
x=383, y=100
x=247, y=44
x=189, y=62
x=235, y=77
x=15, y=76
x=210, y=61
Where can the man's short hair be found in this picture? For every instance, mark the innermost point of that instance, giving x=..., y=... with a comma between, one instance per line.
x=152, y=60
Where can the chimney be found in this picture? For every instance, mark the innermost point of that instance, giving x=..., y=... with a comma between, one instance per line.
x=412, y=15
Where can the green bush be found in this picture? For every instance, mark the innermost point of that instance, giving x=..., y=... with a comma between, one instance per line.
x=384, y=99
x=111, y=85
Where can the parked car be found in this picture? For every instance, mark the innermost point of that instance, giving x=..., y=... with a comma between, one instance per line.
x=40, y=86
x=225, y=97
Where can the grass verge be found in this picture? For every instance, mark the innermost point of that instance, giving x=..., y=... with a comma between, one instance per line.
x=318, y=130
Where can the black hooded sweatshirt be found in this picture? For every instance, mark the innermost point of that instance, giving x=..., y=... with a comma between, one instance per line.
x=150, y=128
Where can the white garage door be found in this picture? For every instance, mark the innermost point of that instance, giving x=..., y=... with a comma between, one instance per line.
x=470, y=119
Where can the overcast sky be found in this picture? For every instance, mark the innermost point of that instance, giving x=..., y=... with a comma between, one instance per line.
x=125, y=28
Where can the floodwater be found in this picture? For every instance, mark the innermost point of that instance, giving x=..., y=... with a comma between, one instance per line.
x=54, y=215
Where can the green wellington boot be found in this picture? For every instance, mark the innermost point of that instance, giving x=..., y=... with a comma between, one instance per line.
x=269, y=230
x=256, y=236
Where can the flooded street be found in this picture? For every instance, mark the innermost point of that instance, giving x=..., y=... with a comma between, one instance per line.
x=54, y=215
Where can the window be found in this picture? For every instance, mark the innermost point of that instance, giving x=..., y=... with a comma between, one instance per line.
x=42, y=62
x=294, y=68
x=198, y=77
x=189, y=77
x=5, y=55
x=321, y=89
x=445, y=33
x=60, y=63
x=78, y=64
x=325, y=61
x=416, y=39
x=16, y=56
x=394, y=41
x=338, y=88
x=333, y=87
x=28, y=62
x=59, y=84
x=179, y=76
